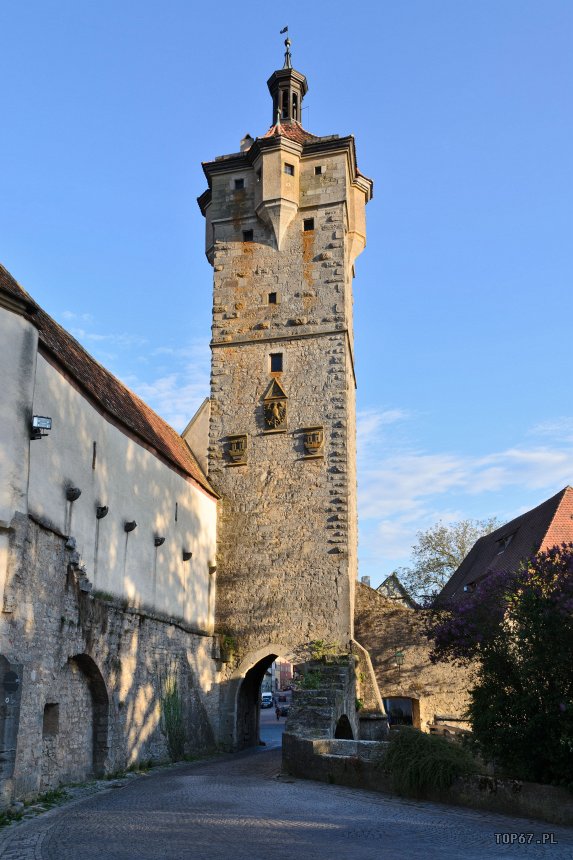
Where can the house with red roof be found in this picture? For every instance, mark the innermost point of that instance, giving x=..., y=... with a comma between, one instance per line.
x=549, y=524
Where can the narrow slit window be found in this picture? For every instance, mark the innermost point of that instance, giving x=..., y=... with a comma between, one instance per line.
x=247, y=235
x=285, y=110
x=239, y=183
x=276, y=362
x=289, y=169
x=318, y=170
x=294, y=106
x=259, y=175
x=272, y=298
x=308, y=224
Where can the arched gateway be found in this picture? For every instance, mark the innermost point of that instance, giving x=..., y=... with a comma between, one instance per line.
x=285, y=221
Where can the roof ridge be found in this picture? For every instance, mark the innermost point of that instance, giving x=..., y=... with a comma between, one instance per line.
x=121, y=403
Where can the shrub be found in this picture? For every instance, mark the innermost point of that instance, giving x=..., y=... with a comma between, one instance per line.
x=419, y=763
x=172, y=714
x=311, y=680
x=517, y=628
x=320, y=648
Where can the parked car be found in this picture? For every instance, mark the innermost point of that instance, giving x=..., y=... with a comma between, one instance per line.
x=266, y=700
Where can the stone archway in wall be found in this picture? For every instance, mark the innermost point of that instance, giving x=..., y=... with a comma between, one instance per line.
x=343, y=729
x=240, y=698
x=248, y=704
x=75, y=724
x=10, y=694
x=100, y=711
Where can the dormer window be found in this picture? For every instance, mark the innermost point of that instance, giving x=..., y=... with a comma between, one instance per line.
x=504, y=542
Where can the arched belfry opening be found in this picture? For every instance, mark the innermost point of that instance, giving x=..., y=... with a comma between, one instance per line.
x=248, y=704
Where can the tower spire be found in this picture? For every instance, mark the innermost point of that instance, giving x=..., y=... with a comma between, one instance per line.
x=288, y=88
x=287, y=63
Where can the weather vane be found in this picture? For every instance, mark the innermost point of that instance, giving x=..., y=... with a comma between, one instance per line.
x=288, y=64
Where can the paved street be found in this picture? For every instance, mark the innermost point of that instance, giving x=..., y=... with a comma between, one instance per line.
x=238, y=808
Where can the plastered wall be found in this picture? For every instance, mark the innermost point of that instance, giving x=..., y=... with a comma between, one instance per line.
x=136, y=486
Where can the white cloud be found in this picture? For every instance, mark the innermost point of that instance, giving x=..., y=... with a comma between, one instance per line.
x=559, y=428
x=177, y=394
x=123, y=340
x=71, y=316
x=402, y=489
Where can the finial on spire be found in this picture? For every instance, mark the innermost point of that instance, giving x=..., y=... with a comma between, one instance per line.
x=288, y=43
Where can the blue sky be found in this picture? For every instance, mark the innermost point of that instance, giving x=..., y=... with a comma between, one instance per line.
x=463, y=297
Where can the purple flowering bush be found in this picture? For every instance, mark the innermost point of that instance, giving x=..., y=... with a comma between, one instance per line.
x=516, y=631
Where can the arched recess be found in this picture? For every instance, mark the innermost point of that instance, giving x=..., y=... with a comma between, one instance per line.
x=10, y=688
x=247, y=708
x=343, y=729
x=100, y=704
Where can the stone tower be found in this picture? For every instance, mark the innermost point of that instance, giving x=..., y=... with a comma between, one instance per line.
x=285, y=221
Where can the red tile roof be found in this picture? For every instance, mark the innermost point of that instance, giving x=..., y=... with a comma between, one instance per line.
x=547, y=525
x=109, y=393
x=291, y=129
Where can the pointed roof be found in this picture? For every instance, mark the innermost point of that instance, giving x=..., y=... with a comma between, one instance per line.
x=393, y=589
x=119, y=404
x=547, y=525
x=275, y=391
x=291, y=129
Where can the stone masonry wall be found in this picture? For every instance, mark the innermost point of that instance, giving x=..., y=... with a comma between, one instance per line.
x=98, y=665
x=287, y=532
x=382, y=626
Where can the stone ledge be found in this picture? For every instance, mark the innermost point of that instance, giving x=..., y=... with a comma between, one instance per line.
x=359, y=764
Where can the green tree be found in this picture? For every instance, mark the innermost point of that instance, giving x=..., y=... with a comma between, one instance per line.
x=516, y=630
x=438, y=553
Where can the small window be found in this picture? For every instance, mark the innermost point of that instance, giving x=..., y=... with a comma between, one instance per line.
x=308, y=224
x=247, y=235
x=259, y=175
x=289, y=169
x=51, y=721
x=272, y=298
x=285, y=111
x=276, y=362
x=239, y=183
x=318, y=170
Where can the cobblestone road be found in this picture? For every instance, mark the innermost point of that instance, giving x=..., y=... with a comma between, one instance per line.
x=238, y=808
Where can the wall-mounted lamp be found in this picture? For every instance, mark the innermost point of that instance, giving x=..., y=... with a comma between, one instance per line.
x=41, y=425
x=399, y=660
x=129, y=527
x=186, y=555
x=102, y=511
x=159, y=541
x=73, y=494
